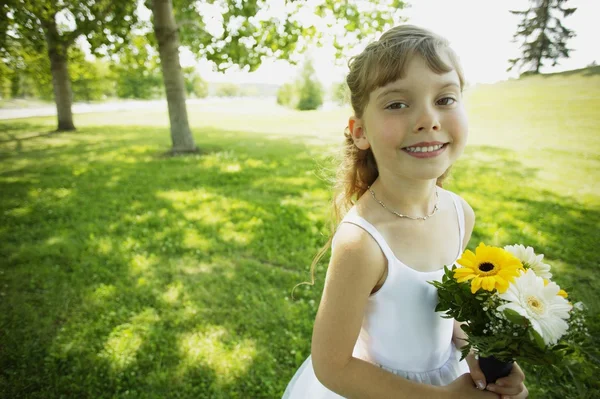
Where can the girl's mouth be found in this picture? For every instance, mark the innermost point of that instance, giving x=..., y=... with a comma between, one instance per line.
x=425, y=152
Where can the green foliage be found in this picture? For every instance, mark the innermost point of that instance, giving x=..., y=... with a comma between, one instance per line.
x=28, y=75
x=542, y=34
x=194, y=84
x=137, y=70
x=28, y=71
x=228, y=90
x=287, y=95
x=247, y=36
x=91, y=80
x=310, y=90
x=341, y=93
x=34, y=21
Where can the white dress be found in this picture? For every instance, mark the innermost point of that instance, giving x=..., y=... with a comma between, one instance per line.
x=400, y=332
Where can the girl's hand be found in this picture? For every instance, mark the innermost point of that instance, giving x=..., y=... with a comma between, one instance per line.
x=462, y=388
x=509, y=387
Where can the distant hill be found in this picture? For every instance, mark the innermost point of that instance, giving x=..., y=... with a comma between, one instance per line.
x=593, y=70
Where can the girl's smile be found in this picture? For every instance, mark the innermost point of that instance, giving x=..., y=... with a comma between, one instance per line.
x=426, y=150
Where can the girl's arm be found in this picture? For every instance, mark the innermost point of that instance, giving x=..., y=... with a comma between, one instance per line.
x=356, y=265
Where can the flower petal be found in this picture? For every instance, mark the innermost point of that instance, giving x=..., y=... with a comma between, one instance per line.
x=475, y=284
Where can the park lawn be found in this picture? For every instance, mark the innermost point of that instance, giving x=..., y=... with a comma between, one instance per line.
x=129, y=273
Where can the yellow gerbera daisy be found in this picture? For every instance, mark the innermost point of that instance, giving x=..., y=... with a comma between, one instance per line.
x=489, y=268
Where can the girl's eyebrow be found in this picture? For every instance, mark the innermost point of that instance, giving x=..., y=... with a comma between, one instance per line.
x=403, y=90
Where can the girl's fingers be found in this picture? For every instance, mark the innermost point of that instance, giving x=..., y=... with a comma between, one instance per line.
x=511, y=384
x=522, y=395
x=475, y=371
x=519, y=392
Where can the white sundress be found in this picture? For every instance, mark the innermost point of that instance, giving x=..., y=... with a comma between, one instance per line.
x=424, y=352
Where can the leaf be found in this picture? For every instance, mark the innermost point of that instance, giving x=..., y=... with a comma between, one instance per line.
x=537, y=338
x=515, y=317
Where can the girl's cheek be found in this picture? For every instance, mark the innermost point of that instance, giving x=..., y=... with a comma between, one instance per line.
x=393, y=131
x=458, y=124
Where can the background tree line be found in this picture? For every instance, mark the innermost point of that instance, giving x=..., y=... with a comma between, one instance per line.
x=39, y=47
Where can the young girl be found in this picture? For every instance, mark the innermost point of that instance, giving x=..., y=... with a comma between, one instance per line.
x=376, y=334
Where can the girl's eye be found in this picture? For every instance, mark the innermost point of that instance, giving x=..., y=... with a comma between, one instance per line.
x=396, y=106
x=446, y=101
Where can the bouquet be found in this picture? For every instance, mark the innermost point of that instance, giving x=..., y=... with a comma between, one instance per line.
x=510, y=308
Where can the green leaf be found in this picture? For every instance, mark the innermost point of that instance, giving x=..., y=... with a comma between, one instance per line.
x=515, y=317
x=537, y=338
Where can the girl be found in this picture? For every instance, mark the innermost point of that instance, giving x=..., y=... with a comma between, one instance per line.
x=376, y=334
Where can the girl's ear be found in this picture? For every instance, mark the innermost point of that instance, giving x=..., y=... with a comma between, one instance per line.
x=357, y=130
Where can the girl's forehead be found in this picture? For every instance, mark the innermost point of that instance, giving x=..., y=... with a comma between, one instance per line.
x=420, y=79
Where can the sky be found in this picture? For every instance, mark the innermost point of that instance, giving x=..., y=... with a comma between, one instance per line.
x=480, y=31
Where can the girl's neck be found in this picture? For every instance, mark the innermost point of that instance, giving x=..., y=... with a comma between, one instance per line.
x=409, y=197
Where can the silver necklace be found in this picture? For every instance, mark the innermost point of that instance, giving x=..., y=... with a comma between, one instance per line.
x=435, y=207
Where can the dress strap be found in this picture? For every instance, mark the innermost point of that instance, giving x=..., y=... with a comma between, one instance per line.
x=461, y=218
x=369, y=228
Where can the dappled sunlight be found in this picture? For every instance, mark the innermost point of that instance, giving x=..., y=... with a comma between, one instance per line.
x=197, y=267
x=17, y=212
x=123, y=343
x=232, y=233
x=172, y=293
x=214, y=347
x=231, y=168
x=56, y=240
x=229, y=215
x=103, y=293
x=141, y=263
x=104, y=245
x=114, y=181
x=302, y=182
x=192, y=239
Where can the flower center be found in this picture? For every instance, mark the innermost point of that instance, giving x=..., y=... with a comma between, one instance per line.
x=487, y=268
x=535, y=305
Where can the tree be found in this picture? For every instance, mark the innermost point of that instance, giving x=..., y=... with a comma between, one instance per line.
x=166, y=32
x=92, y=79
x=543, y=35
x=137, y=70
x=310, y=89
x=194, y=84
x=249, y=31
x=287, y=95
x=340, y=93
x=56, y=25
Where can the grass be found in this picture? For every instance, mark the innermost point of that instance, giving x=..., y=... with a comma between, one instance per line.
x=126, y=273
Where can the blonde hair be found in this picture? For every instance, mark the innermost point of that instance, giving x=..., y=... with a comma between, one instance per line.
x=380, y=63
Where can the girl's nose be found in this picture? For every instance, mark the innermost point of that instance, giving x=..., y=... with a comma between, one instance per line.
x=428, y=120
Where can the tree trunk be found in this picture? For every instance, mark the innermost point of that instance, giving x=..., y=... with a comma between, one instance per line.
x=167, y=35
x=63, y=96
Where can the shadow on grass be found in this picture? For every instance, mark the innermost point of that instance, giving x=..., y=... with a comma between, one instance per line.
x=127, y=273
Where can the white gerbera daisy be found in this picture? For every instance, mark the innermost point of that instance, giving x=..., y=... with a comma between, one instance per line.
x=545, y=310
x=530, y=259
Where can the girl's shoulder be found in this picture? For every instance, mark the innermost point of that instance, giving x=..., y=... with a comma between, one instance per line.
x=355, y=250
x=469, y=217
x=467, y=209
x=464, y=204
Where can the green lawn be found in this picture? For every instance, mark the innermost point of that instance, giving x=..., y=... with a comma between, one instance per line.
x=127, y=273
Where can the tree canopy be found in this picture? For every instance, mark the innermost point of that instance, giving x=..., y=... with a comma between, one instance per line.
x=542, y=33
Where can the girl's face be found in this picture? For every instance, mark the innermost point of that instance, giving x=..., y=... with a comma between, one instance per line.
x=415, y=126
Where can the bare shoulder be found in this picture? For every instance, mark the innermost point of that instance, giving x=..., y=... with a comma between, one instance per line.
x=355, y=251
